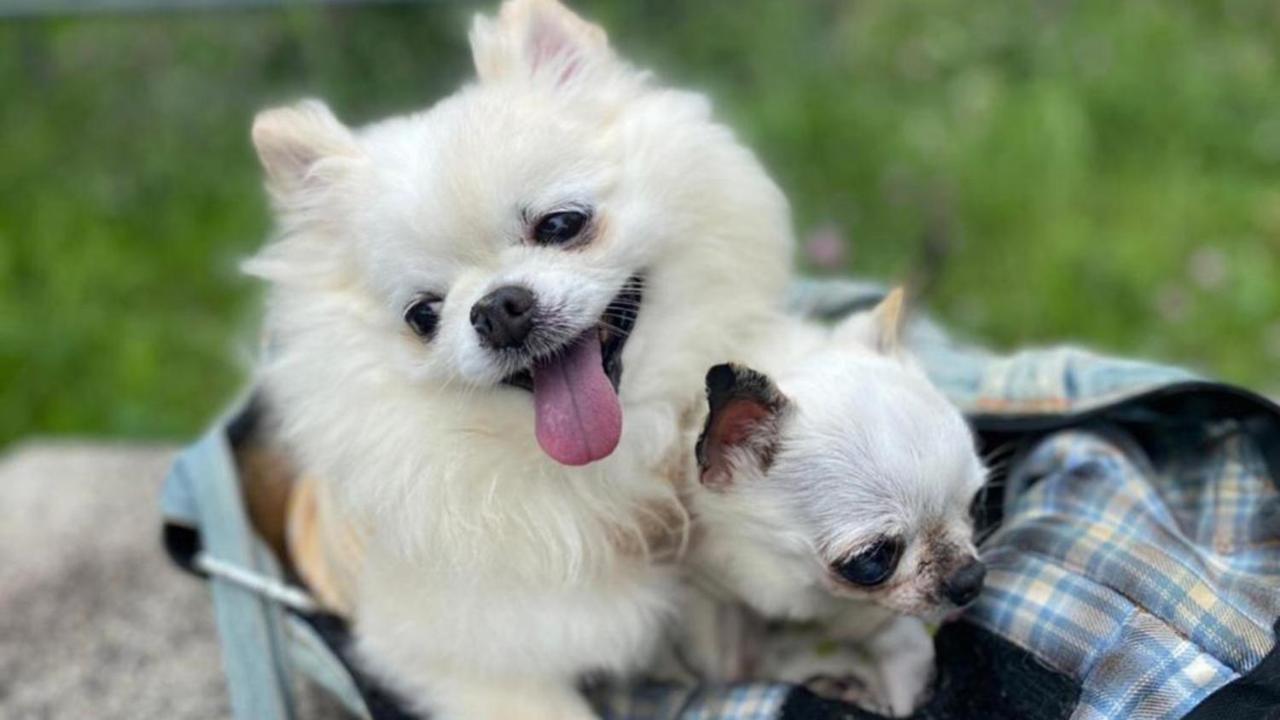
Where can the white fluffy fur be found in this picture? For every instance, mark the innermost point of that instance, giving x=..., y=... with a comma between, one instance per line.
x=494, y=576
x=865, y=446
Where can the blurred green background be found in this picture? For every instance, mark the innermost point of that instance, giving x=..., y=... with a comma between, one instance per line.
x=1095, y=171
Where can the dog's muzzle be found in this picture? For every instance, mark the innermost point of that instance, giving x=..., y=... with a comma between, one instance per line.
x=612, y=329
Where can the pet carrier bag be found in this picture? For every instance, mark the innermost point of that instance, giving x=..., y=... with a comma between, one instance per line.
x=1131, y=527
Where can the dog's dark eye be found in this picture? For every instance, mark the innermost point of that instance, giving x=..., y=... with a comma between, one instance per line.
x=560, y=227
x=423, y=315
x=873, y=565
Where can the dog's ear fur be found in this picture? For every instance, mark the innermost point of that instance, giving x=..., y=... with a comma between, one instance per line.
x=881, y=328
x=294, y=143
x=535, y=39
x=743, y=423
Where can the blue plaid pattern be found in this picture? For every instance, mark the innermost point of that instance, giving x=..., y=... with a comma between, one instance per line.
x=1142, y=580
x=741, y=701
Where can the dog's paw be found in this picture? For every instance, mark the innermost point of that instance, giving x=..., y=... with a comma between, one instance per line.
x=850, y=689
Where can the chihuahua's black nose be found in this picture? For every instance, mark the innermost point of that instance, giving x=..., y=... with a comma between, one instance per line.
x=504, y=317
x=964, y=584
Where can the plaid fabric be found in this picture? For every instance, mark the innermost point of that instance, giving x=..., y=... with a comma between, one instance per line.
x=1098, y=574
x=1142, y=577
x=743, y=701
x=1052, y=381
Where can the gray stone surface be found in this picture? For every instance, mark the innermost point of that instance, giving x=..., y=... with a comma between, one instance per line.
x=94, y=621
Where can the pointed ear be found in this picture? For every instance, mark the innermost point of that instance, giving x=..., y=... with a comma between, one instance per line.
x=294, y=143
x=890, y=315
x=743, y=424
x=881, y=328
x=535, y=38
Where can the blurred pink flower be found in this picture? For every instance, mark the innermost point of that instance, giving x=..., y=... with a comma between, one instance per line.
x=827, y=247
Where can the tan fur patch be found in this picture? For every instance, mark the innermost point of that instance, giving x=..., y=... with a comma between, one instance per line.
x=266, y=479
x=326, y=550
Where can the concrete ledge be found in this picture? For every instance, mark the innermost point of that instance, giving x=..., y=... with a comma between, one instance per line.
x=94, y=620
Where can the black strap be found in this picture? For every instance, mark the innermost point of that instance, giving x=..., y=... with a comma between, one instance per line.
x=336, y=633
x=981, y=676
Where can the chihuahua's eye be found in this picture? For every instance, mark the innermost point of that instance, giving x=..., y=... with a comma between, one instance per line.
x=874, y=565
x=560, y=227
x=423, y=315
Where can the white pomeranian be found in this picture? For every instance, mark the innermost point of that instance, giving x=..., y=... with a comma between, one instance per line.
x=490, y=325
x=835, y=488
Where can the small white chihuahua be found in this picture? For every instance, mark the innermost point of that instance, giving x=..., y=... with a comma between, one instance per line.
x=490, y=324
x=835, y=488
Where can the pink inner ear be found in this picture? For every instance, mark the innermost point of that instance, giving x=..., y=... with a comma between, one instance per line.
x=733, y=427
x=738, y=420
x=549, y=44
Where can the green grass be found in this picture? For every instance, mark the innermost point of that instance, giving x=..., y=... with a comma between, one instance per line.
x=1097, y=171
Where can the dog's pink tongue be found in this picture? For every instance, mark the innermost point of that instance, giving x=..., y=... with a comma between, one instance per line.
x=579, y=418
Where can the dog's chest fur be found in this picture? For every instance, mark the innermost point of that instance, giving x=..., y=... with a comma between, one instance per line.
x=468, y=495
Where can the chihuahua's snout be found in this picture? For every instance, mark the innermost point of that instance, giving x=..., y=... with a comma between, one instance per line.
x=964, y=584
x=504, y=317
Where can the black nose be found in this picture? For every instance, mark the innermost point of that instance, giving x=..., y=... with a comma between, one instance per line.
x=964, y=584
x=504, y=317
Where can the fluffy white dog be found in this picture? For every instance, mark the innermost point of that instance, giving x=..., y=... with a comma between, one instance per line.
x=835, y=488
x=490, y=324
